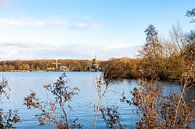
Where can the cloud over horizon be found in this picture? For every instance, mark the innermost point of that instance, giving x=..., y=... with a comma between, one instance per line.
x=15, y=51
x=26, y=21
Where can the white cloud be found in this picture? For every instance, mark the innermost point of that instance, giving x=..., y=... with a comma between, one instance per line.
x=24, y=21
x=31, y=22
x=87, y=25
x=13, y=51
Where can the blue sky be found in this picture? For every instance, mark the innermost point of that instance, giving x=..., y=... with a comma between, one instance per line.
x=81, y=29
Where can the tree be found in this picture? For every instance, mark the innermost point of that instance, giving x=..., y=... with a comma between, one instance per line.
x=191, y=13
x=151, y=34
x=62, y=94
x=152, y=48
x=189, y=47
x=120, y=68
x=10, y=67
x=159, y=112
x=1, y=68
x=24, y=67
x=110, y=115
x=151, y=54
x=8, y=120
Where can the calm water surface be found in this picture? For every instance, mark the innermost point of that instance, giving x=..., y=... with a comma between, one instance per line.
x=82, y=105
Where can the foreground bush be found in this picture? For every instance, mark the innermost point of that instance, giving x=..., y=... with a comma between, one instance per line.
x=9, y=119
x=62, y=94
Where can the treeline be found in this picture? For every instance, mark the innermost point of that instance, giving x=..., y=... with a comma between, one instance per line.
x=163, y=59
x=45, y=65
x=159, y=58
x=121, y=68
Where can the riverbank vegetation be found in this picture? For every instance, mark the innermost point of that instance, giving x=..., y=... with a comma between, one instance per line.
x=50, y=65
x=159, y=58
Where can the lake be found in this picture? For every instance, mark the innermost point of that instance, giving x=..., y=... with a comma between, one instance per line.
x=21, y=83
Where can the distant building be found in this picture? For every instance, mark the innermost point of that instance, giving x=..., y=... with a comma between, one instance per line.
x=63, y=69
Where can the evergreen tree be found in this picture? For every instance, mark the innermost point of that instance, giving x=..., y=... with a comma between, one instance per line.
x=151, y=54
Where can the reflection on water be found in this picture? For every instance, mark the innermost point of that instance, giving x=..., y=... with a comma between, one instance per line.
x=82, y=104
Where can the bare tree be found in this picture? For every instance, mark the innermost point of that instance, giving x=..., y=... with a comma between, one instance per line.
x=8, y=120
x=63, y=94
x=109, y=114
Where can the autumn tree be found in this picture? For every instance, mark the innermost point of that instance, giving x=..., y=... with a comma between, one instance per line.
x=151, y=54
x=24, y=67
x=120, y=68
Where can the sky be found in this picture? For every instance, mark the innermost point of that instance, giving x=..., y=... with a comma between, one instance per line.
x=83, y=29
